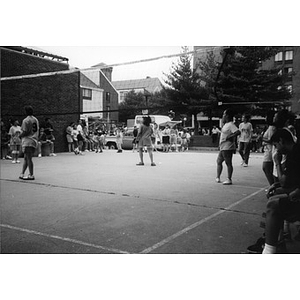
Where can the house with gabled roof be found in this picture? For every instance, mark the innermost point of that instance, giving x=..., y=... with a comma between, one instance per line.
x=92, y=97
x=146, y=86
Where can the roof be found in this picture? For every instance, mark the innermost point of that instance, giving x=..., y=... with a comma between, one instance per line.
x=152, y=85
x=38, y=52
x=86, y=82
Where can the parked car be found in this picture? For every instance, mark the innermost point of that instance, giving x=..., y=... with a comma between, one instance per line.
x=127, y=141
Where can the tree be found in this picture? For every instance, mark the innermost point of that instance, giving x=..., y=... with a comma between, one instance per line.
x=184, y=90
x=134, y=103
x=131, y=106
x=208, y=70
x=244, y=85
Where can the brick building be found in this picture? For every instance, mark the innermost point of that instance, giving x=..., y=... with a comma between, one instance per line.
x=60, y=95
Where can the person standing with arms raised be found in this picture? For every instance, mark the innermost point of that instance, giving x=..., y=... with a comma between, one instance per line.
x=29, y=136
x=144, y=140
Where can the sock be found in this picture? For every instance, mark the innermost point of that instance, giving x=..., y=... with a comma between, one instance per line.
x=268, y=249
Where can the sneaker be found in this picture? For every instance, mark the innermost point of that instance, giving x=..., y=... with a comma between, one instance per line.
x=140, y=164
x=17, y=161
x=153, y=164
x=21, y=176
x=258, y=247
x=245, y=165
x=29, y=177
x=242, y=163
x=218, y=180
x=14, y=161
x=40, y=155
x=52, y=154
x=227, y=182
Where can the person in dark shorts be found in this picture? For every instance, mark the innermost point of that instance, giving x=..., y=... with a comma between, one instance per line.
x=284, y=197
x=227, y=146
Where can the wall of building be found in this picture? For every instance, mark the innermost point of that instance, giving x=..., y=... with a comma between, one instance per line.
x=296, y=81
x=96, y=104
x=14, y=63
x=114, y=98
x=56, y=97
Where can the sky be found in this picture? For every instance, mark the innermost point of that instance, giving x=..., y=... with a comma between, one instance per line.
x=87, y=56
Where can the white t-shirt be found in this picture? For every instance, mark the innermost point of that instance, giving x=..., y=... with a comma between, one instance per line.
x=30, y=132
x=246, y=130
x=226, y=130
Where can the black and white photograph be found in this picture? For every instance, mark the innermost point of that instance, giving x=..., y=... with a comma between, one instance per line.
x=142, y=166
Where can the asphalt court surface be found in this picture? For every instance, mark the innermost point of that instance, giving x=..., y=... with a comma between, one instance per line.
x=104, y=203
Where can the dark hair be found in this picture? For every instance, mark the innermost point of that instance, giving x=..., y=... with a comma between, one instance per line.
x=284, y=116
x=146, y=121
x=29, y=110
x=283, y=134
x=270, y=117
x=247, y=117
x=230, y=113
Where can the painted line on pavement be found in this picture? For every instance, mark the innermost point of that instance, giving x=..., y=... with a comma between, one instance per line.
x=189, y=228
x=64, y=239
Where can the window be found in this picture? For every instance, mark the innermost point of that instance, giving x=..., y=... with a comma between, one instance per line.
x=288, y=71
x=290, y=88
x=278, y=56
x=107, y=97
x=123, y=96
x=289, y=55
x=87, y=94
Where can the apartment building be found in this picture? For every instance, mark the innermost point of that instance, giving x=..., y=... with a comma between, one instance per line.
x=287, y=60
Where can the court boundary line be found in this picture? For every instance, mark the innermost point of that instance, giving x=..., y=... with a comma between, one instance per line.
x=135, y=196
x=64, y=239
x=192, y=226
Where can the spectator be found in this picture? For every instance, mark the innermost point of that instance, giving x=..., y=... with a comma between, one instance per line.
x=268, y=165
x=50, y=141
x=144, y=140
x=179, y=141
x=119, y=140
x=245, y=139
x=173, y=139
x=29, y=136
x=156, y=136
x=134, y=143
x=4, y=142
x=15, y=141
x=282, y=119
x=48, y=126
x=44, y=140
x=166, y=139
x=185, y=139
x=75, y=139
x=227, y=146
x=284, y=198
x=215, y=134
x=69, y=137
x=80, y=137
